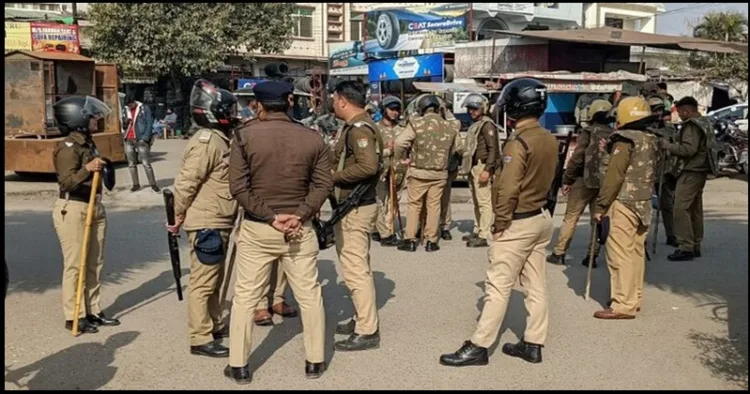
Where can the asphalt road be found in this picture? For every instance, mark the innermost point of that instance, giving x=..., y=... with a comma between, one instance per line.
x=692, y=333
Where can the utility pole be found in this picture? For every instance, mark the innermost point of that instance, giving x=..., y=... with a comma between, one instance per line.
x=74, y=11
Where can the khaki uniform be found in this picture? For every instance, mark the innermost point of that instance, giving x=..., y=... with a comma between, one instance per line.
x=357, y=150
x=433, y=141
x=481, y=155
x=584, y=176
x=626, y=198
x=519, y=195
x=694, y=164
x=669, y=180
x=201, y=191
x=69, y=218
x=385, y=222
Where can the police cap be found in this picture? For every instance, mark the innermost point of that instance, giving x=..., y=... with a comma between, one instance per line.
x=273, y=91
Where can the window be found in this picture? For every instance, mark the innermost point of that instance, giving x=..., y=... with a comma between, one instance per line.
x=613, y=22
x=303, y=22
x=356, y=27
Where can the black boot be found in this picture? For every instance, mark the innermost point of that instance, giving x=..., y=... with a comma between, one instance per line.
x=477, y=243
x=391, y=240
x=431, y=246
x=527, y=351
x=240, y=375
x=359, y=342
x=314, y=370
x=446, y=235
x=672, y=241
x=585, y=261
x=101, y=320
x=84, y=327
x=211, y=349
x=467, y=237
x=697, y=251
x=375, y=236
x=681, y=255
x=155, y=188
x=135, y=188
x=558, y=259
x=408, y=245
x=468, y=354
x=345, y=328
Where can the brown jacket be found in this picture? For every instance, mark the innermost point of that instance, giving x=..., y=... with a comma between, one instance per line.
x=487, y=151
x=201, y=188
x=527, y=173
x=279, y=166
x=361, y=146
x=70, y=158
x=691, y=148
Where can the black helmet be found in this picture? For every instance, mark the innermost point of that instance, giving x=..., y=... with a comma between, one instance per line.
x=73, y=113
x=213, y=107
x=390, y=101
x=523, y=97
x=429, y=101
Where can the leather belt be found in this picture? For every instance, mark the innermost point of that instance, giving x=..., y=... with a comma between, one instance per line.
x=526, y=215
x=78, y=196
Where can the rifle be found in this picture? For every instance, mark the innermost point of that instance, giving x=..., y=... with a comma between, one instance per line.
x=324, y=229
x=557, y=182
x=654, y=239
x=174, y=248
x=395, y=211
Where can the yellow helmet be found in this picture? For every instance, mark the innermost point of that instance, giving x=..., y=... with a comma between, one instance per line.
x=632, y=109
x=596, y=106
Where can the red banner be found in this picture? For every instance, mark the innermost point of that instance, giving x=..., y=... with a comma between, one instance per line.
x=54, y=37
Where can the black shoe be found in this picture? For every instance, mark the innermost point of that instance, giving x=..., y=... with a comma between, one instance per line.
x=446, y=235
x=155, y=188
x=681, y=255
x=408, y=245
x=468, y=354
x=375, y=237
x=359, y=342
x=345, y=328
x=527, y=351
x=84, y=327
x=585, y=261
x=101, y=320
x=467, y=237
x=391, y=240
x=431, y=246
x=135, y=188
x=672, y=241
x=223, y=333
x=314, y=370
x=697, y=251
x=240, y=375
x=558, y=259
x=477, y=243
x=212, y=349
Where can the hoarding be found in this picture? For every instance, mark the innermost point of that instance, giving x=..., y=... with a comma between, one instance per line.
x=346, y=58
x=248, y=82
x=17, y=36
x=390, y=32
x=54, y=37
x=406, y=67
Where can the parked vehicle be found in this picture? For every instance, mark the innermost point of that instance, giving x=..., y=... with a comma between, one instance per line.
x=733, y=146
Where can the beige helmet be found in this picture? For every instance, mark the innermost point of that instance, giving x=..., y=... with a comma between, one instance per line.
x=596, y=106
x=657, y=104
x=632, y=109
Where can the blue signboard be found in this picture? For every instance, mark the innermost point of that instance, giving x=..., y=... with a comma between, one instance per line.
x=248, y=82
x=406, y=67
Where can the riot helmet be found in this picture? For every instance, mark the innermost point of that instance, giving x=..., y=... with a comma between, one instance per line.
x=476, y=100
x=634, y=112
x=598, y=111
x=74, y=113
x=657, y=105
x=390, y=102
x=523, y=97
x=426, y=102
x=213, y=107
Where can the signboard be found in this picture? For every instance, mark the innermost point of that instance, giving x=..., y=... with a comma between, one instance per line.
x=458, y=102
x=513, y=8
x=54, y=37
x=406, y=67
x=248, y=82
x=346, y=58
x=17, y=36
x=583, y=87
x=390, y=31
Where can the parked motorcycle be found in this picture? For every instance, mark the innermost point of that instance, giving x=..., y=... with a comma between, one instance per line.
x=733, y=146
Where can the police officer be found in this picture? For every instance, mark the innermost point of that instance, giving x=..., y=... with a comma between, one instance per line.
x=76, y=159
x=582, y=177
x=664, y=128
x=356, y=153
x=625, y=198
x=278, y=201
x=389, y=129
x=206, y=210
x=446, y=217
x=696, y=150
x=432, y=141
x=521, y=231
x=480, y=162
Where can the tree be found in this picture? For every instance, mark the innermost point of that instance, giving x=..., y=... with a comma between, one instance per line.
x=729, y=68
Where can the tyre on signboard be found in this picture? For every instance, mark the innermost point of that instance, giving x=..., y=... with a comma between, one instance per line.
x=387, y=30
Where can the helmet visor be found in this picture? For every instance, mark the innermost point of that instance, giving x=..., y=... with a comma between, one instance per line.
x=202, y=95
x=95, y=108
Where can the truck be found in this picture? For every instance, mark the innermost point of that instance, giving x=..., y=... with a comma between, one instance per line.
x=34, y=82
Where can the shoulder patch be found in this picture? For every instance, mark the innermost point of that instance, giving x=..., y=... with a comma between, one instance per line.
x=205, y=136
x=362, y=143
x=507, y=158
x=69, y=144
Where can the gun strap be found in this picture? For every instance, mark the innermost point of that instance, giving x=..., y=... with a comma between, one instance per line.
x=342, y=160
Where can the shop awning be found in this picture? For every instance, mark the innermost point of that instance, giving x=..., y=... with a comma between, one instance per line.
x=444, y=87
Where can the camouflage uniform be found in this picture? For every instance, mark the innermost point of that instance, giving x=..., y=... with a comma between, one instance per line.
x=625, y=197
x=384, y=224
